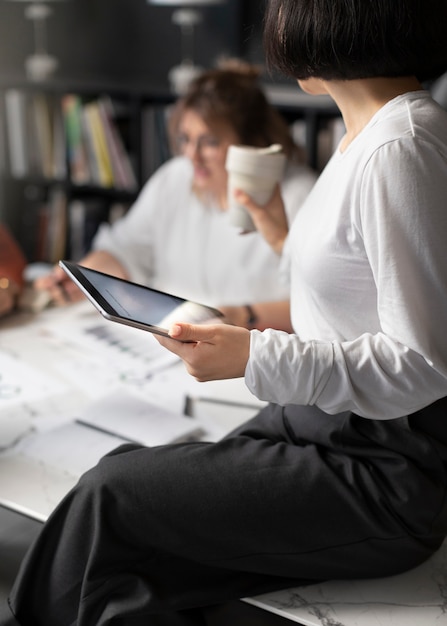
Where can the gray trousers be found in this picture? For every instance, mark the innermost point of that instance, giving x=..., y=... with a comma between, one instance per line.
x=153, y=535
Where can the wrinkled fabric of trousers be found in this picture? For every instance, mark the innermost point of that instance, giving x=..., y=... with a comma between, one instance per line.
x=150, y=536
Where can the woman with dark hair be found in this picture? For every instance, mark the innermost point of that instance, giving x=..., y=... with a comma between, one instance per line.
x=344, y=474
x=177, y=236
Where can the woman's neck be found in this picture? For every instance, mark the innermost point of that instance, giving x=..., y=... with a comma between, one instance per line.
x=218, y=200
x=359, y=100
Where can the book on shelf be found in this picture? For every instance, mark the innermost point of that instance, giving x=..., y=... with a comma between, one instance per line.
x=52, y=227
x=94, y=128
x=122, y=171
x=57, y=225
x=84, y=218
x=96, y=146
x=16, y=130
x=44, y=227
x=154, y=142
x=76, y=222
x=59, y=164
x=40, y=242
x=90, y=148
x=34, y=168
x=60, y=137
x=41, y=124
x=36, y=140
x=77, y=154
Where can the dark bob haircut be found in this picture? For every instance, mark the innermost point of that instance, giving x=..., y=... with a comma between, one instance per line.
x=351, y=39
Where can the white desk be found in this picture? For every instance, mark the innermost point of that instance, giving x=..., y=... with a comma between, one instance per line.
x=64, y=368
x=415, y=598
x=54, y=365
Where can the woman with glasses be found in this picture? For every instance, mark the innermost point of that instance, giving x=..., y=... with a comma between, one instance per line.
x=177, y=237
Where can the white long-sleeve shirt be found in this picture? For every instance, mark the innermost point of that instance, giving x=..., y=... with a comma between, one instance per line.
x=172, y=241
x=368, y=270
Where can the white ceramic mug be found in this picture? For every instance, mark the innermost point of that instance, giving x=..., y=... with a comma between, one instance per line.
x=255, y=171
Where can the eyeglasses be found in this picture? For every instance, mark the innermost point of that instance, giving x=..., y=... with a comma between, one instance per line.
x=206, y=144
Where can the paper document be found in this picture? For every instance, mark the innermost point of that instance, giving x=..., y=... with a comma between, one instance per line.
x=139, y=421
x=70, y=448
x=47, y=463
x=107, y=423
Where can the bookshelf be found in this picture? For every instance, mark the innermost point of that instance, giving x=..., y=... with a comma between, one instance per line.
x=72, y=156
x=75, y=154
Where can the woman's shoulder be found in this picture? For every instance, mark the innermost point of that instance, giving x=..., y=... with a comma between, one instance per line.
x=170, y=183
x=413, y=114
x=175, y=170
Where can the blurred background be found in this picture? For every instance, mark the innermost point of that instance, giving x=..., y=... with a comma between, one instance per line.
x=130, y=40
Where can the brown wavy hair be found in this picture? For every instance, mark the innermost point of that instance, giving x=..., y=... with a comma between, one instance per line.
x=231, y=93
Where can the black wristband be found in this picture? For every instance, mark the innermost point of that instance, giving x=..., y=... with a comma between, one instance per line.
x=252, y=318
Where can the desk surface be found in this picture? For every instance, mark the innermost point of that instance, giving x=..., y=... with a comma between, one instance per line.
x=55, y=364
x=415, y=598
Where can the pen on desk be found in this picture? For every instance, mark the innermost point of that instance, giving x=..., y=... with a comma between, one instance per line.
x=188, y=406
x=235, y=403
x=106, y=432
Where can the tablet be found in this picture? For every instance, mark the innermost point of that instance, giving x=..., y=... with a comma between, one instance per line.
x=135, y=305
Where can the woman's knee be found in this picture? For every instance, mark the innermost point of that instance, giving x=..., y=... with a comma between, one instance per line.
x=108, y=474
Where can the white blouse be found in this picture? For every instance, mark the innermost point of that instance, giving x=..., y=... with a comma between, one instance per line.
x=171, y=241
x=368, y=268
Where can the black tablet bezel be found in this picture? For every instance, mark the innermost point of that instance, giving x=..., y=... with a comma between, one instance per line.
x=76, y=273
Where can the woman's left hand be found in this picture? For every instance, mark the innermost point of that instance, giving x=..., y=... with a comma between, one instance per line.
x=209, y=351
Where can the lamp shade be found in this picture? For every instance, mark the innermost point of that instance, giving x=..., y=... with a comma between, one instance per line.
x=40, y=65
x=190, y=3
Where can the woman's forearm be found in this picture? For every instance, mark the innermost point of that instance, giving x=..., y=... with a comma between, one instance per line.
x=104, y=262
x=260, y=315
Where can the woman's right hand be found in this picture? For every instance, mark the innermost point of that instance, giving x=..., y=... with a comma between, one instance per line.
x=63, y=290
x=60, y=287
x=209, y=351
x=270, y=220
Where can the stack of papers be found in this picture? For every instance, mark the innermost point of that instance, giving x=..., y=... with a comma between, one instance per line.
x=47, y=463
x=114, y=420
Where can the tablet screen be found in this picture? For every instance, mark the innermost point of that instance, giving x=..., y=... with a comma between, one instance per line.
x=132, y=301
x=136, y=304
